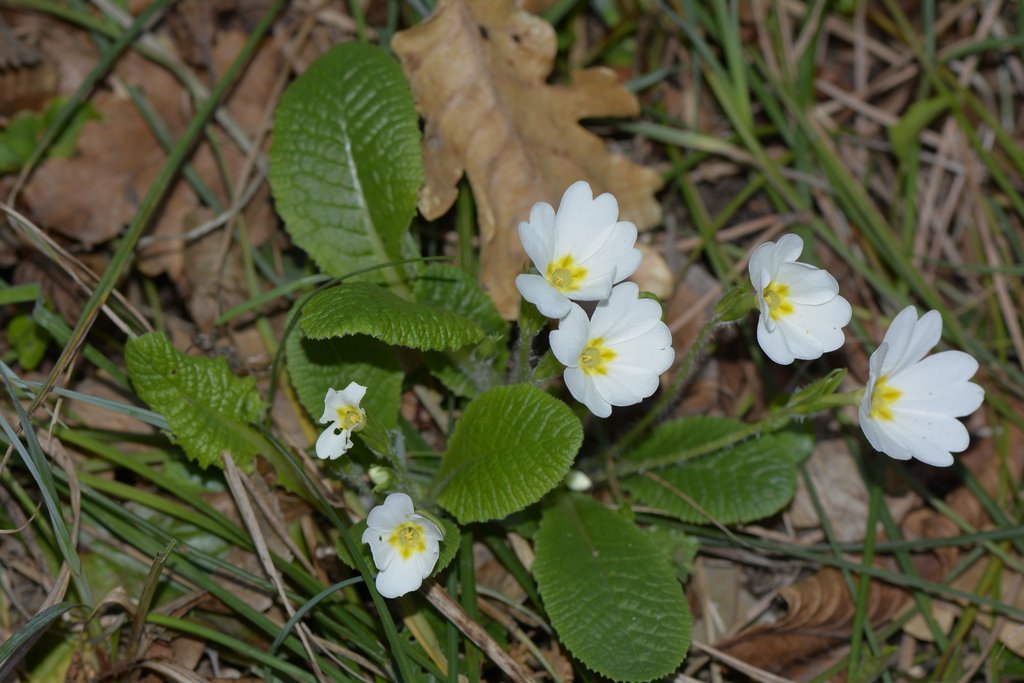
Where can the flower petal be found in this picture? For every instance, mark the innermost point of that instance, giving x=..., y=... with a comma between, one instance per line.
x=426, y=560
x=584, y=391
x=395, y=510
x=773, y=343
x=538, y=236
x=541, y=294
x=807, y=285
x=352, y=395
x=331, y=445
x=910, y=339
x=823, y=323
x=615, y=391
x=382, y=551
x=401, y=577
x=939, y=384
x=569, y=340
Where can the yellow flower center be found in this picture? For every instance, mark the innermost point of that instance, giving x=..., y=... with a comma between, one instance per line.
x=408, y=539
x=564, y=275
x=595, y=357
x=776, y=296
x=351, y=418
x=883, y=397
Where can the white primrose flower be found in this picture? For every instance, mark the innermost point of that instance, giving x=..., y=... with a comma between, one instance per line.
x=802, y=314
x=911, y=403
x=405, y=545
x=615, y=357
x=342, y=411
x=580, y=252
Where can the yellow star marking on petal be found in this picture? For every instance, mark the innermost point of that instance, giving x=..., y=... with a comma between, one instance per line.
x=351, y=418
x=595, y=357
x=882, y=398
x=776, y=295
x=408, y=539
x=564, y=275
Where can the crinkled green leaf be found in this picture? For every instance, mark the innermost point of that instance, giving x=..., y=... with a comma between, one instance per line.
x=208, y=408
x=345, y=164
x=473, y=369
x=512, y=445
x=316, y=365
x=754, y=479
x=610, y=592
x=448, y=287
x=364, y=308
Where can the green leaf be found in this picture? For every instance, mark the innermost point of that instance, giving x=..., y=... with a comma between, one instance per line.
x=26, y=130
x=610, y=592
x=512, y=445
x=208, y=408
x=345, y=164
x=14, y=649
x=364, y=308
x=28, y=340
x=446, y=286
x=749, y=481
x=316, y=365
x=471, y=370
x=903, y=134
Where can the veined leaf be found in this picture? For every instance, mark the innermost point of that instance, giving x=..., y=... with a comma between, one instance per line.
x=364, y=308
x=610, y=592
x=345, y=164
x=316, y=365
x=512, y=445
x=749, y=481
x=208, y=408
x=448, y=287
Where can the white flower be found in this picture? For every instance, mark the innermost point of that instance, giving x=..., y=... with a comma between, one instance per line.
x=580, y=252
x=614, y=358
x=342, y=411
x=802, y=314
x=911, y=403
x=404, y=545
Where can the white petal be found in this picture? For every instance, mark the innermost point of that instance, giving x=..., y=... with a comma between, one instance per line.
x=887, y=442
x=401, y=577
x=910, y=339
x=426, y=560
x=569, y=340
x=614, y=391
x=807, y=285
x=574, y=206
x=595, y=286
x=584, y=391
x=330, y=446
x=541, y=294
x=395, y=510
x=640, y=381
x=382, y=551
x=787, y=249
x=430, y=530
x=332, y=402
x=773, y=343
x=939, y=384
x=614, y=250
x=759, y=265
x=824, y=323
x=538, y=236
x=618, y=325
x=352, y=395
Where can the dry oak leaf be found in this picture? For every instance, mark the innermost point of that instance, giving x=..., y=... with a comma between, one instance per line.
x=477, y=70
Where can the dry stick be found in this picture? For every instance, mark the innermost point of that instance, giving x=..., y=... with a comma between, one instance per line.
x=994, y=636
x=452, y=611
x=926, y=227
x=892, y=77
x=757, y=674
x=234, y=479
x=277, y=524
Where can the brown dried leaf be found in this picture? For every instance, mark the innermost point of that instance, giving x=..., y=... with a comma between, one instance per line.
x=477, y=70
